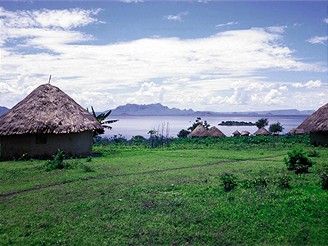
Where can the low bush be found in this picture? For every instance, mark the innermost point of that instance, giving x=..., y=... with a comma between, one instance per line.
x=324, y=179
x=298, y=161
x=57, y=162
x=229, y=181
x=283, y=182
x=313, y=153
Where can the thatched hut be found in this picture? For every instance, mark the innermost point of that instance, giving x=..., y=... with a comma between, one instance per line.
x=199, y=132
x=236, y=133
x=261, y=131
x=317, y=125
x=245, y=133
x=295, y=131
x=215, y=132
x=45, y=121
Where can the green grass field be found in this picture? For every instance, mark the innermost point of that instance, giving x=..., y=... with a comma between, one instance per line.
x=173, y=195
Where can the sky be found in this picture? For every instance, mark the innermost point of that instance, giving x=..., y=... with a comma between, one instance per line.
x=204, y=55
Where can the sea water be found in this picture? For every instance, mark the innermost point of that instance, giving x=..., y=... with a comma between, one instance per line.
x=169, y=126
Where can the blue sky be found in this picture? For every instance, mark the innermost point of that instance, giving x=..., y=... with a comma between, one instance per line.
x=204, y=55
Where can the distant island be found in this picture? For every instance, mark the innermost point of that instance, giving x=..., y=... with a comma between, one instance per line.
x=236, y=123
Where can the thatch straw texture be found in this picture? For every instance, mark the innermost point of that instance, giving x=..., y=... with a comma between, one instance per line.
x=262, y=131
x=47, y=109
x=199, y=131
x=296, y=131
x=317, y=122
x=245, y=133
x=236, y=133
x=215, y=132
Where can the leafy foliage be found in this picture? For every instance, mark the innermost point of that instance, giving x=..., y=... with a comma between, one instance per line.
x=229, y=181
x=101, y=118
x=283, y=182
x=298, y=161
x=199, y=122
x=57, y=162
x=183, y=133
x=262, y=123
x=276, y=128
x=324, y=179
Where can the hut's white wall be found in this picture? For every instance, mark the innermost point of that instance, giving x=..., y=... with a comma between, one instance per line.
x=319, y=138
x=77, y=144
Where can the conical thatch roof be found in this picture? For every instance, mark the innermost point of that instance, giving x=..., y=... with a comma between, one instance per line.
x=215, y=132
x=236, y=133
x=317, y=122
x=47, y=109
x=199, y=131
x=245, y=133
x=296, y=131
x=262, y=131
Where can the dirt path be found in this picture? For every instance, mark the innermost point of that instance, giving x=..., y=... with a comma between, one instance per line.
x=41, y=187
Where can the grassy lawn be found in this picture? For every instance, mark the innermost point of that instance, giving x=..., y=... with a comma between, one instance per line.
x=133, y=195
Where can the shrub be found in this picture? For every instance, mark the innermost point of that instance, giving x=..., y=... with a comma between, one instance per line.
x=298, y=161
x=57, y=162
x=229, y=181
x=283, y=182
x=324, y=179
x=313, y=153
x=86, y=168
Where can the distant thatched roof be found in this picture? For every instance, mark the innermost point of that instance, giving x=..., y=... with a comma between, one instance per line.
x=47, y=109
x=262, y=131
x=199, y=131
x=317, y=122
x=236, y=133
x=245, y=133
x=215, y=132
x=296, y=131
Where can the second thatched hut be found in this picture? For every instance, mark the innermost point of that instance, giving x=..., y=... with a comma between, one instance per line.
x=317, y=125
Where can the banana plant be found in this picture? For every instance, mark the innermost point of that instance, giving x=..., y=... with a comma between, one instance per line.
x=101, y=118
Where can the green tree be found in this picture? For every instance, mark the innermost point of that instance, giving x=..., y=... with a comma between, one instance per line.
x=101, y=118
x=276, y=128
x=263, y=122
x=183, y=133
x=199, y=122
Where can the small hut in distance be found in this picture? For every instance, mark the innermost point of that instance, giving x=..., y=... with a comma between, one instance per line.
x=262, y=131
x=200, y=132
x=236, y=133
x=317, y=125
x=215, y=132
x=45, y=121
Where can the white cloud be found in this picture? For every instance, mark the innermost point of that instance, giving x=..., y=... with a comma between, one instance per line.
x=276, y=29
x=325, y=20
x=65, y=18
x=216, y=72
x=177, y=17
x=226, y=24
x=309, y=84
x=318, y=40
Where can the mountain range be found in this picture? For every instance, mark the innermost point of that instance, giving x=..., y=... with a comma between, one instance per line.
x=158, y=109
x=3, y=110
